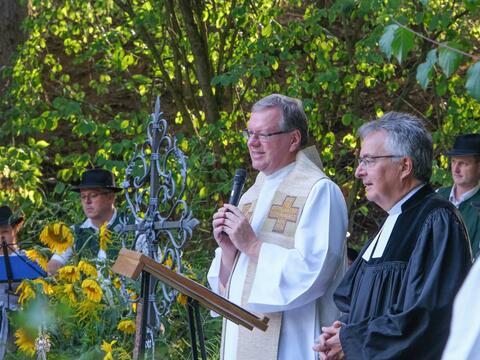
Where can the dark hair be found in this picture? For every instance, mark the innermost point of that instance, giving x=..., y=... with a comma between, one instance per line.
x=293, y=115
x=408, y=137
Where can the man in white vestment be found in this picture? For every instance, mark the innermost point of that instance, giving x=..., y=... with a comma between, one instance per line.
x=464, y=339
x=282, y=250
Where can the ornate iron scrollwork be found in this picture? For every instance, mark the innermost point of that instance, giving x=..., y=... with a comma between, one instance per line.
x=157, y=213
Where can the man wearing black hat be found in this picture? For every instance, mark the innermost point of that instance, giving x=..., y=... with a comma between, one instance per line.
x=97, y=193
x=9, y=226
x=465, y=165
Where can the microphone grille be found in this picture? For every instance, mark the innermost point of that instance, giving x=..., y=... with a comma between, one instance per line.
x=241, y=173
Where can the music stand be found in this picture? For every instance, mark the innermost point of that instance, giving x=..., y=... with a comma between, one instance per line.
x=131, y=264
x=17, y=268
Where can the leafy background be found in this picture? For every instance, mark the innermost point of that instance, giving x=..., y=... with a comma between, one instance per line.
x=79, y=89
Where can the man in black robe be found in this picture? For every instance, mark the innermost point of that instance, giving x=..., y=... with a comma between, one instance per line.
x=397, y=297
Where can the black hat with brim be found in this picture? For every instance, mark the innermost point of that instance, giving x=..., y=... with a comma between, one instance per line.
x=97, y=178
x=8, y=218
x=464, y=145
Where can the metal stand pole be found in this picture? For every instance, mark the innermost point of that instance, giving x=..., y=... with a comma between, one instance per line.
x=195, y=326
x=146, y=309
x=201, y=337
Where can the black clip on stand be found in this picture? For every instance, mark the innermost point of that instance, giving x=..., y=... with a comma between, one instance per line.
x=8, y=269
x=196, y=330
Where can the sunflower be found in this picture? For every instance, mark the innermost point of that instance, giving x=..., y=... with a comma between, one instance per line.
x=92, y=290
x=36, y=256
x=87, y=269
x=182, y=299
x=105, y=237
x=47, y=288
x=69, y=291
x=58, y=237
x=117, y=283
x=25, y=342
x=134, y=298
x=108, y=348
x=69, y=273
x=127, y=326
x=26, y=292
x=168, y=262
x=88, y=310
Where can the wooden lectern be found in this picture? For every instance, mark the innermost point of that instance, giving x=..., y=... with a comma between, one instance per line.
x=131, y=264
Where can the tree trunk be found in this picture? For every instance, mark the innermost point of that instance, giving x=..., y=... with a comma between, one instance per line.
x=12, y=14
x=202, y=62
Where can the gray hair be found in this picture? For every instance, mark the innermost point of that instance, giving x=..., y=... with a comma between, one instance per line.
x=407, y=136
x=293, y=115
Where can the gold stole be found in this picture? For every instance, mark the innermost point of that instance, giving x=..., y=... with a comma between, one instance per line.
x=278, y=228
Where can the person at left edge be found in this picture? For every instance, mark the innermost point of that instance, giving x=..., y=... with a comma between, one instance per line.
x=97, y=194
x=287, y=236
x=10, y=224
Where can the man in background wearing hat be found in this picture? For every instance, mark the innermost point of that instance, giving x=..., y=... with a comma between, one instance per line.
x=10, y=224
x=97, y=193
x=465, y=165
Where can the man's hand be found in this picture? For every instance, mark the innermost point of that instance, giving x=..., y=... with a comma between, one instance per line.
x=229, y=251
x=53, y=266
x=240, y=232
x=233, y=233
x=221, y=237
x=329, y=345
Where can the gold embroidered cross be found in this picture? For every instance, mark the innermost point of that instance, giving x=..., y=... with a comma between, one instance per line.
x=283, y=213
x=247, y=210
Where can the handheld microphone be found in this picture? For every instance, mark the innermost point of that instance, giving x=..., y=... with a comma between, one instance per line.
x=238, y=182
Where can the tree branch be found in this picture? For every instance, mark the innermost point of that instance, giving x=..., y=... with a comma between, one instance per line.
x=474, y=57
x=150, y=42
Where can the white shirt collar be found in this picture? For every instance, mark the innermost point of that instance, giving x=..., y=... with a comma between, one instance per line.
x=379, y=243
x=463, y=197
x=281, y=173
x=89, y=224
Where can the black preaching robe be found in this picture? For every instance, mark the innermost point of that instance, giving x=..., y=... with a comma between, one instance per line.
x=399, y=306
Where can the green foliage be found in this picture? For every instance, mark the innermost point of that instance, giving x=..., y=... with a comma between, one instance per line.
x=402, y=43
x=450, y=28
x=424, y=70
x=20, y=173
x=448, y=60
x=473, y=82
x=387, y=39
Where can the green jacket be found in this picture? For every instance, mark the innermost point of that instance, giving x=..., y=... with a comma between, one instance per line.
x=471, y=216
x=87, y=241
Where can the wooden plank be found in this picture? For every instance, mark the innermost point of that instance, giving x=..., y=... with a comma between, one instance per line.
x=188, y=287
x=128, y=264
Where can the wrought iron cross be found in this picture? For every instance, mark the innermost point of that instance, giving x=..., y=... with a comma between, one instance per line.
x=154, y=185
